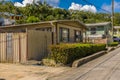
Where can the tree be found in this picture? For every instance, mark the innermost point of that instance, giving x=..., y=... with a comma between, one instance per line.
x=32, y=19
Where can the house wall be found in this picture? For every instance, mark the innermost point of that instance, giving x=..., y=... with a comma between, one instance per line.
x=99, y=33
x=55, y=30
x=38, y=42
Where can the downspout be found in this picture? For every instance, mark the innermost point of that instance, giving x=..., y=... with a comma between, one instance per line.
x=52, y=32
x=85, y=37
x=56, y=27
x=55, y=33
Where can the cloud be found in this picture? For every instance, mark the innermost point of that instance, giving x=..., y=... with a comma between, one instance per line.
x=75, y=6
x=24, y=3
x=109, y=7
x=53, y=3
x=89, y=8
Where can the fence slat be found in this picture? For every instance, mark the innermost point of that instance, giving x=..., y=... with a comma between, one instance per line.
x=16, y=47
x=3, y=47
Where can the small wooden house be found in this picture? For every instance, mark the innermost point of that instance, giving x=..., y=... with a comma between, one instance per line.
x=20, y=43
x=117, y=31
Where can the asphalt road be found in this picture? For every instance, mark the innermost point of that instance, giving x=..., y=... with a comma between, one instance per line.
x=106, y=67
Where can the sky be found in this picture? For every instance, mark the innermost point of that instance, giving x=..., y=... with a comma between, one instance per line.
x=97, y=6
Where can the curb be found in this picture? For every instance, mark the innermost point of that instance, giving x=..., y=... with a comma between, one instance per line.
x=79, y=62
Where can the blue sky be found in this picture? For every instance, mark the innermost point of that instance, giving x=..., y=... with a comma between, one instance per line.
x=77, y=4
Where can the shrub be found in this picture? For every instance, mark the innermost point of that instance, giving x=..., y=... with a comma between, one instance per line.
x=67, y=53
x=32, y=19
x=113, y=44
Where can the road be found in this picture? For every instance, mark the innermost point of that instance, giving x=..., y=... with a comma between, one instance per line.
x=28, y=72
x=106, y=67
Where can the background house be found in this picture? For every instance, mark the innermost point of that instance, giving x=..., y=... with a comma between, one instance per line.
x=7, y=18
x=117, y=31
x=20, y=43
x=99, y=32
x=5, y=22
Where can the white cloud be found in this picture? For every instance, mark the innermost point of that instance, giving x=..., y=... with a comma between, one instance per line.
x=24, y=3
x=109, y=7
x=89, y=8
x=53, y=3
x=75, y=6
x=18, y=4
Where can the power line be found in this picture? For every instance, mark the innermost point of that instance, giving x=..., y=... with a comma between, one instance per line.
x=97, y=6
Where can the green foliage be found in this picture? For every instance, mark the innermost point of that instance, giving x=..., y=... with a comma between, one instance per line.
x=32, y=19
x=45, y=12
x=67, y=53
x=117, y=19
x=89, y=17
x=113, y=44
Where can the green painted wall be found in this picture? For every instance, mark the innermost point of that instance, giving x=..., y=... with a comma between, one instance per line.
x=100, y=30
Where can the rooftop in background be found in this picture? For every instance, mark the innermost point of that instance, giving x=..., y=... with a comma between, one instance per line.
x=9, y=14
x=117, y=27
x=98, y=24
x=6, y=22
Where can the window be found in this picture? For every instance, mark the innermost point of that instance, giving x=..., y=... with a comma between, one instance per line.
x=78, y=36
x=115, y=31
x=93, y=30
x=100, y=28
x=64, y=35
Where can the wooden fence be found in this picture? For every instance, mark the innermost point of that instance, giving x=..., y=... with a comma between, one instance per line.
x=13, y=47
x=20, y=47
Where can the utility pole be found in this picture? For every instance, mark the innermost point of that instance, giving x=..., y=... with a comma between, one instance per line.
x=112, y=18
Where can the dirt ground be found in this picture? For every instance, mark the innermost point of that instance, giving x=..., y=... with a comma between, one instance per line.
x=28, y=72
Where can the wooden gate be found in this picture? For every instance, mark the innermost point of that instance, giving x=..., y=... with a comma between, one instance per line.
x=38, y=42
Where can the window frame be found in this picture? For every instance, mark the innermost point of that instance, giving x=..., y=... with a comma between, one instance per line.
x=61, y=34
x=93, y=31
x=77, y=36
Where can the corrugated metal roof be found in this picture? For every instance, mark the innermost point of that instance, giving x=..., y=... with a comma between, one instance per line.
x=117, y=27
x=47, y=22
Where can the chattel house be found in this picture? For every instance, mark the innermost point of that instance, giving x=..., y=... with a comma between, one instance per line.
x=20, y=43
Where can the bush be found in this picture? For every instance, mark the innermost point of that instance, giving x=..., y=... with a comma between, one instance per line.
x=32, y=19
x=113, y=44
x=67, y=53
